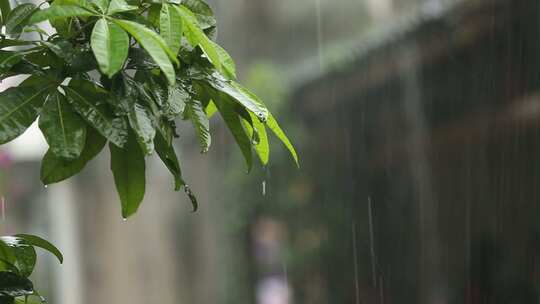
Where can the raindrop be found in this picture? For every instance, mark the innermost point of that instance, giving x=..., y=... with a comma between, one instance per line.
x=264, y=188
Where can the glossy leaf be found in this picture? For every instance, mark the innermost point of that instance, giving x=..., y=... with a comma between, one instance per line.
x=102, y=5
x=41, y=243
x=196, y=114
x=64, y=130
x=170, y=27
x=60, y=11
x=229, y=67
x=5, y=9
x=110, y=44
x=176, y=103
x=118, y=6
x=55, y=169
x=153, y=44
x=210, y=109
x=25, y=254
x=226, y=108
x=196, y=37
x=276, y=129
x=239, y=95
x=8, y=59
x=128, y=167
x=19, y=109
x=168, y=156
x=85, y=98
x=202, y=11
x=13, y=285
x=262, y=147
x=18, y=18
x=142, y=123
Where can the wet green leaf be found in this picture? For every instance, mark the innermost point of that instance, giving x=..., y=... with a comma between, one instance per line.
x=64, y=130
x=118, y=6
x=196, y=114
x=85, y=98
x=229, y=67
x=8, y=59
x=19, y=109
x=142, y=123
x=238, y=94
x=128, y=167
x=5, y=9
x=153, y=44
x=60, y=11
x=276, y=129
x=196, y=37
x=262, y=147
x=226, y=108
x=170, y=27
x=18, y=18
x=13, y=285
x=110, y=44
x=41, y=243
x=168, y=156
x=25, y=254
x=55, y=169
x=175, y=104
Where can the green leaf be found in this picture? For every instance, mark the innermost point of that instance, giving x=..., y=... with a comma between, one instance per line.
x=13, y=285
x=128, y=168
x=239, y=94
x=142, y=123
x=102, y=5
x=196, y=37
x=5, y=9
x=110, y=44
x=170, y=27
x=64, y=130
x=118, y=6
x=18, y=110
x=18, y=18
x=5, y=42
x=226, y=108
x=25, y=254
x=85, y=98
x=196, y=114
x=210, y=109
x=175, y=104
x=41, y=243
x=60, y=11
x=202, y=11
x=55, y=169
x=262, y=147
x=167, y=154
x=154, y=45
x=229, y=67
x=273, y=125
x=8, y=59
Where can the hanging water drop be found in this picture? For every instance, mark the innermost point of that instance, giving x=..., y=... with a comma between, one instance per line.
x=124, y=219
x=46, y=186
x=264, y=188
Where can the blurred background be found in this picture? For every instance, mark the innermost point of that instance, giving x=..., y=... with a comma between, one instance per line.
x=418, y=128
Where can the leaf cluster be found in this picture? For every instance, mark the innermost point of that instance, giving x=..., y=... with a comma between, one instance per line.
x=17, y=262
x=121, y=73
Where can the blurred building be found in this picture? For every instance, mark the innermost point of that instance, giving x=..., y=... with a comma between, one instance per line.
x=426, y=136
